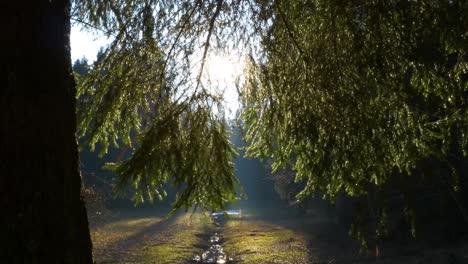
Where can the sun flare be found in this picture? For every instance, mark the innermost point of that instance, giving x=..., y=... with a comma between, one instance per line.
x=222, y=73
x=224, y=69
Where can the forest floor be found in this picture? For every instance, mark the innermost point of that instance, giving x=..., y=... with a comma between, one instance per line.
x=259, y=237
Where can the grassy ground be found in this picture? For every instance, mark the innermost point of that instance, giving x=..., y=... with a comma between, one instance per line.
x=184, y=238
x=249, y=239
x=121, y=239
x=150, y=239
x=261, y=242
x=258, y=238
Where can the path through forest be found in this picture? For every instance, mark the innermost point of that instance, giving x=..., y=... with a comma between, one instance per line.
x=255, y=237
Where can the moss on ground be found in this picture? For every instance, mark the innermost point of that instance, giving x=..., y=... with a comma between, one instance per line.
x=255, y=241
x=113, y=241
x=151, y=239
x=155, y=240
x=248, y=240
x=179, y=242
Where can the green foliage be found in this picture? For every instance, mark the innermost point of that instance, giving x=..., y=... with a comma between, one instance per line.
x=193, y=151
x=352, y=93
x=118, y=93
x=349, y=94
x=146, y=92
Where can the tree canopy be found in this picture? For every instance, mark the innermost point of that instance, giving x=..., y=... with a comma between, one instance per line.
x=351, y=94
x=347, y=93
x=146, y=91
x=356, y=90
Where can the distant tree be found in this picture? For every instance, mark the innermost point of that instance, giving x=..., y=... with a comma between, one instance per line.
x=81, y=66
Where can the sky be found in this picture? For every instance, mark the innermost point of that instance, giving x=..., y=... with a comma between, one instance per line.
x=223, y=69
x=85, y=44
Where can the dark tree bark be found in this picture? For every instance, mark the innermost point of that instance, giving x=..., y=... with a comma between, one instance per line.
x=43, y=218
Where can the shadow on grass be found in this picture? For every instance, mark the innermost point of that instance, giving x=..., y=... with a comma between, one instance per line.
x=153, y=239
x=279, y=235
x=119, y=240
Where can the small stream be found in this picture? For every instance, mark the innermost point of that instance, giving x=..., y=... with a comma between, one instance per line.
x=215, y=253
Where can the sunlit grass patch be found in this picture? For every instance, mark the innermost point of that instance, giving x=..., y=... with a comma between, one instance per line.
x=261, y=242
x=179, y=242
x=178, y=249
x=134, y=225
x=109, y=240
x=119, y=230
x=153, y=240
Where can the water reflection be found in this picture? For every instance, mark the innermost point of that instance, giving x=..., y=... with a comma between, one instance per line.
x=216, y=254
x=227, y=212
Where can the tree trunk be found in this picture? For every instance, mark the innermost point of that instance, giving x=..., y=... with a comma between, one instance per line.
x=43, y=218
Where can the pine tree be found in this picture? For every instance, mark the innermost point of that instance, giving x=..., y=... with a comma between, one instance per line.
x=359, y=97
